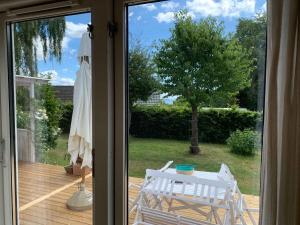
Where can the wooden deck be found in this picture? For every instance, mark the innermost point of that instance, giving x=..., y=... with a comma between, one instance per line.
x=44, y=190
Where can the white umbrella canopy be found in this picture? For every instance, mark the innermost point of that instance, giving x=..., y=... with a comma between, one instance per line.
x=80, y=139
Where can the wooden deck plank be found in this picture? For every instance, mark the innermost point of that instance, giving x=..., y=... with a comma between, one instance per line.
x=44, y=190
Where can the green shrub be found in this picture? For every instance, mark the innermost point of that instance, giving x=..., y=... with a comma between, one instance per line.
x=174, y=122
x=65, y=121
x=48, y=102
x=243, y=142
x=23, y=118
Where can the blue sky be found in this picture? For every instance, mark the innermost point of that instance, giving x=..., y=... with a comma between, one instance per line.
x=148, y=23
x=64, y=73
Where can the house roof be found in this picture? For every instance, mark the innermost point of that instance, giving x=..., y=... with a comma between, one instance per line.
x=27, y=81
x=64, y=93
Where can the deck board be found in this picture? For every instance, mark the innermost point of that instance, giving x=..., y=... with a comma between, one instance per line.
x=38, y=180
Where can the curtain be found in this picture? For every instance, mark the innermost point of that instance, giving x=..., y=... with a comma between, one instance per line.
x=280, y=202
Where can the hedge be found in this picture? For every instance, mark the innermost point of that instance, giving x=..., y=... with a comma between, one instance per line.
x=173, y=122
x=65, y=121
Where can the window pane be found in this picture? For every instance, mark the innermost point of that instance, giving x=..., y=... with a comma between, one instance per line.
x=196, y=84
x=53, y=101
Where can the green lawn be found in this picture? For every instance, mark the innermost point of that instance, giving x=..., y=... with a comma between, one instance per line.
x=58, y=156
x=154, y=153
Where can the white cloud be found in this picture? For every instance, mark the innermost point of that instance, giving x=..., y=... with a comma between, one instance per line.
x=65, y=42
x=191, y=14
x=225, y=8
x=139, y=18
x=73, y=52
x=66, y=70
x=39, y=49
x=75, y=30
x=130, y=14
x=63, y=81
x=149, y=7
x=168, y=99
x=166, y=17
x=52, y=73
x=56, y=79
x=263, y=7
x=169, y=5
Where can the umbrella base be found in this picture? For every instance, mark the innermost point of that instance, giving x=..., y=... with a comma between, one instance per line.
x=81, y=200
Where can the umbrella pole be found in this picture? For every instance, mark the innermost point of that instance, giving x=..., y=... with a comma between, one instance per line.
x=83, y=175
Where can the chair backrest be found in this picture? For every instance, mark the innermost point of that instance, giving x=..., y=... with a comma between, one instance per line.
x=225, y=173
x=153, y=217
x=165, y=167
x=187, y=188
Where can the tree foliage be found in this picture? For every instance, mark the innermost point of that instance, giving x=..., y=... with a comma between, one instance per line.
x=49, y=31
x=142, y=82
x=52, y=107
x=251, y=34
x=201, y=64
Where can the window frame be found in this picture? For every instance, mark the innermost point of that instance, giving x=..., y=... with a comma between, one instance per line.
x=103, y=108
x=121, y=155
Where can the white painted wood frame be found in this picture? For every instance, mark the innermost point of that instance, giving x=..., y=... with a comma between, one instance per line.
x=105, y=119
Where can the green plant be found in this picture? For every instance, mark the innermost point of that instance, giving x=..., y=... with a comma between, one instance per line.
x=243, y=142
x=173, y=122
x=65, y=121
x=49, y=104
x=251, y=34
x=51, y=33
x=41, y=134
x=22, y=118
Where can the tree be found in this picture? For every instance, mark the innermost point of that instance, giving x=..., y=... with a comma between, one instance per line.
x=50, y=32
x=251, y=34
x=202, y=65
x=142, y=82
x=52, y=107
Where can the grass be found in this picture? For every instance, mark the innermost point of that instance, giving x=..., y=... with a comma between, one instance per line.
x=154, y=153
x=59, y=155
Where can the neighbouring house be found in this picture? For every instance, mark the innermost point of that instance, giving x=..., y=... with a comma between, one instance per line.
x=64, y=93
x=152, y=100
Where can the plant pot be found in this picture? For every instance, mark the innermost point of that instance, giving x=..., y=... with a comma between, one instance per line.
x=69, y=169
x=77, y=171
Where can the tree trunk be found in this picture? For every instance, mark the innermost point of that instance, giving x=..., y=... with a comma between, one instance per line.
x=194, y=148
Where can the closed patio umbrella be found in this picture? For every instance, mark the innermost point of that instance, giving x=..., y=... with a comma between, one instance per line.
x=80, y=138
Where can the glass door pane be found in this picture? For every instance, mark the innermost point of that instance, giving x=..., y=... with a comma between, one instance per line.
x=195, y=99
x=52, y=75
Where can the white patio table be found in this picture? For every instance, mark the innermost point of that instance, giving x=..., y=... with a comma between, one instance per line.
x=193, y=192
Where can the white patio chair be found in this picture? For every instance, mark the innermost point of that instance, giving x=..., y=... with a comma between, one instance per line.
x=150, y=216
x=225, y=173
x=132, y=202
x=241, y=207
x=239, y=203
x=190, y=192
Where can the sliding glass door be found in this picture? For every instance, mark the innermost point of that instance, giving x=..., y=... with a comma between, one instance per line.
x=56, y=113
x=52, y=104
x=195, y=108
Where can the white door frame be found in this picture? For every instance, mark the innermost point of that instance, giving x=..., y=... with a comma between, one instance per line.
x=103, y=111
